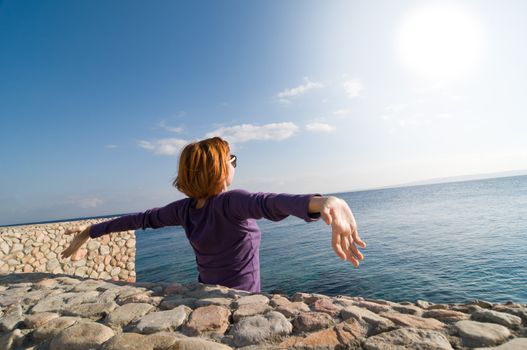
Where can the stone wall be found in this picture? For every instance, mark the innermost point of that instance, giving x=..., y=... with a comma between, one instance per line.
x=37, y=248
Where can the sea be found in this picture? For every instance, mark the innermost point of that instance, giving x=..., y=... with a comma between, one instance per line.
x=445, y=243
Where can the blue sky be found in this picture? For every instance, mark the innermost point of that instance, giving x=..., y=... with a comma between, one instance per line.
x=97, y=97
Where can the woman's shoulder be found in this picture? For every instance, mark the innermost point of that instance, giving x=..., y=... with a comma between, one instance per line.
x=235, y=194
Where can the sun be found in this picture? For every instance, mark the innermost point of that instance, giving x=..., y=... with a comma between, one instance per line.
x=440, y=43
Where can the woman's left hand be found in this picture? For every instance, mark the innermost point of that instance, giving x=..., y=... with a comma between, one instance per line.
x=345, y=237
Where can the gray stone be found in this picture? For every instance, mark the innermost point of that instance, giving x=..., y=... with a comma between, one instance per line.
x=198, y=344
x=312, y=321
x=57, y=303
x=482, y=303
x=474, y=334
x=134, y=341
x=261, y=328
x=379, y=323
x=514, y=344
x=176, y=300
x=519, y=311
x=12, y=339
x=502, y=318
x=408, y=338
x=12, y=317
x=88, y=286
x=250, y=310
x=408, y=309
x=93, y=311
x=53, y=327
x=82, y=336
x=252, y=299
x=446, y=315
x=213, y=301
x=37, y=320
x=127, y=313
x=373, y=307
x=212, y=320
x=163, y=320
x=423, y=304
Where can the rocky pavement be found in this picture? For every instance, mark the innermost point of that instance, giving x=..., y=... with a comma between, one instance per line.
x=42, y=311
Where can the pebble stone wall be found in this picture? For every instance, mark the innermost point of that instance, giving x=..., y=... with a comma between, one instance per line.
x=37, y=248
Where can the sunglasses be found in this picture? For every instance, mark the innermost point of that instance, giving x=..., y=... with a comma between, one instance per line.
x=233, y=160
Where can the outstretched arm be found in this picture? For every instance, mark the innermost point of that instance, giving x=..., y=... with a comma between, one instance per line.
x=168, y=215
x=337, y=213
x=334, y=211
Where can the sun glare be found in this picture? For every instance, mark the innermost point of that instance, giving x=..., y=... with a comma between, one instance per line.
x=440, y=43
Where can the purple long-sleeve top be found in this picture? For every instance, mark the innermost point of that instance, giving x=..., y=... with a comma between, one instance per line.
x=223, y=233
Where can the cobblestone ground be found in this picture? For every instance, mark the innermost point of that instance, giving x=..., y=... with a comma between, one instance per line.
x=57, y=312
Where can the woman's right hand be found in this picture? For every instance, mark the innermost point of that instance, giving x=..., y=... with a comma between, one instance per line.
x=78, y=241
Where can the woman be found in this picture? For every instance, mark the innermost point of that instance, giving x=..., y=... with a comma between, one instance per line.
x=221, y=225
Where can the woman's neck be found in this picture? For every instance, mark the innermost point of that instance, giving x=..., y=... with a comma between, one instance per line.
x=200, y=203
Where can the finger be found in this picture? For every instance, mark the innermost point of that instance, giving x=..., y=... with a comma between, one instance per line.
x=357, y=239
x=347, y=244
x=355, y=252
x=336, y=244
x=354, y=261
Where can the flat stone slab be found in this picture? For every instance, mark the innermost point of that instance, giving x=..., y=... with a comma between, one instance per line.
x=53, y=327
x=163, y=320
x=257, y=329
x=492, y=316
x=198, y=344
x=37, y=320
x=515, y=344
x=82, y=336
x=327, y=306
x=207, y=320
x=93, y=311
x=408, y=338
x=312, y=321
x=373, y=307
x=252, y=299
x=446, y=315
x=379, y=323
x=11, y=318
x=135, y=341
x=413, y=321
x=246, y=310
x=478, y=334
x=127, y=313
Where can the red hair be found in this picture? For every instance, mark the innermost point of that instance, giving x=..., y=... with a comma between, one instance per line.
x=203, y=168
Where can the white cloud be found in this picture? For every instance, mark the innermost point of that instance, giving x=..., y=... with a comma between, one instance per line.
x=342, y=112
x=299, y=90
x=249, y=132
x=395, y=108
x=320, y=127
x=353, y=87
x=110, y=146
x=167, y=147
x=162, y=125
